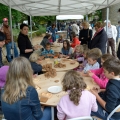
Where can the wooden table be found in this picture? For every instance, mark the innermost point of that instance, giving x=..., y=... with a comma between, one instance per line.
x=44, y=83
x=67, y=63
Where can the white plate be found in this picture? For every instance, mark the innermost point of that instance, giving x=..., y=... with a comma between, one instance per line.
x=55, y=89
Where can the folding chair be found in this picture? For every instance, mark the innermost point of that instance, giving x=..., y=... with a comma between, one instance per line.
x=117, y=109
x=82, y=118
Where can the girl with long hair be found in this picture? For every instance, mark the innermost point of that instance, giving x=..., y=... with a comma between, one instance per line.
x=20, y=100
x=78, y=102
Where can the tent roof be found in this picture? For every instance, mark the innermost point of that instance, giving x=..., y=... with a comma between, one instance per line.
x=66, y=17
x=58, y=7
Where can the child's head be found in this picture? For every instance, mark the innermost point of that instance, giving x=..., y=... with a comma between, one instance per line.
x=79, y=49
x=85, y=47
x=96, y=51
x=48, y=36
x=33, y=57
x=74, y=82
x=48, y=46
x=106, y=57
x=92, y=58
x=66, y=44
x=111, y=68
x=60, y=37
x=73, y=34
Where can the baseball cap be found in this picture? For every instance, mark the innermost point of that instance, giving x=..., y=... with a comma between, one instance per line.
x=2, y=36
x=5, y=19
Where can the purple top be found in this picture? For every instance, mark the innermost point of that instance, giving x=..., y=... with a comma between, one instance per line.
x=3, y=74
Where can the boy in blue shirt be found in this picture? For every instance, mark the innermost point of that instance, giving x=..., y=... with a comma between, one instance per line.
x=48, y=52
x=109, y=99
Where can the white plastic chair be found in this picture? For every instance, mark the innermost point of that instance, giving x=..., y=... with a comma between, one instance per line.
x=82, y=118
x=109, y=116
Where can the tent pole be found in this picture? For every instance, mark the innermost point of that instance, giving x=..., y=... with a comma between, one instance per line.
x=30, y=27
x=86, y=15
x=107, y=17
x=10, y=16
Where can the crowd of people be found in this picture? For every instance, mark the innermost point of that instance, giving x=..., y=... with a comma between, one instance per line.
x=19, y=98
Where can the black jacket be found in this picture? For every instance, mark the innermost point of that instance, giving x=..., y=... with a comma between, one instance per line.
x=112, y=97
x=86, y=34
x=1, y=64
x=99, y=41
x=24, y=43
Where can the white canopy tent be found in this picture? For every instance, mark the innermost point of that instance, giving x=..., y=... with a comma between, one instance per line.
x=67, y=17
x=58, y=7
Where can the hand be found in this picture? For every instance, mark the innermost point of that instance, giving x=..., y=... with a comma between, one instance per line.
x=41, y=58
x=90, y=74
x=67, y=57
x=81, y=66
x=35, y=75
x=95, y=92
x=97, y=89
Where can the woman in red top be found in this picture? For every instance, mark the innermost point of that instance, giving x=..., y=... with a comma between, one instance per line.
x=75, y=40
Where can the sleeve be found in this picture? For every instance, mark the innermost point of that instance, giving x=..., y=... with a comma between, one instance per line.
x=94, y=104
x=90, y=33
x=115, y=31
x=101, y=82
x=80, y=59
x=60, y=114
x=70, y=51
x=43, y=53
x=86, y=68
x=112, y=97
x=95, y=66
x=52, y=52
x=22, y=44
x=39, y=68
x=97, y=71
x=35, y=104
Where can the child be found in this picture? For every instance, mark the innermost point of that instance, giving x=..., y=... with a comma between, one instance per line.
x=98, y=74
x=60, y=40
x=34, y=59
x=78, y=53
x=48, y=52
x=78, y=102
x=110, y=98
x=66, y=50
x=83, y=60
x=75, y=40
x=92, y=62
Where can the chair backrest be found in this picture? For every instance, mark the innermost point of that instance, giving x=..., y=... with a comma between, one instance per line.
x=117, y=109
x=82, y=118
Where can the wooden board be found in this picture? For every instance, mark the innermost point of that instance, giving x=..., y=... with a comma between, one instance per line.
x=67, y=63
x=44, y=83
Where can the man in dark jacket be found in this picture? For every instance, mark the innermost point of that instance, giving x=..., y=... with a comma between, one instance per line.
x=2, y=42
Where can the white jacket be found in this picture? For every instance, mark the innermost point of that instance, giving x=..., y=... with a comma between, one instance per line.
x=114, y=32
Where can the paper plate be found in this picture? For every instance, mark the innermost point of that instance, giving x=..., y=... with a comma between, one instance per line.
x=54, y=89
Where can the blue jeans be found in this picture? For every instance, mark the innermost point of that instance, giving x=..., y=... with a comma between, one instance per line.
x=101, y=113
x=46, y=114
x=8, y=49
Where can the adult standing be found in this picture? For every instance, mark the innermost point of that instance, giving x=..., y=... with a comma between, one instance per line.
x=8, y=41
x=24, y=44
x=53, y=30
x=85, y=34
x=112, y=34
x=99, y=39
x=118, y=35
x=75, y=28
x=2, y=42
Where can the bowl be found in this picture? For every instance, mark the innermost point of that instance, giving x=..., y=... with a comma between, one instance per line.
x=54, y=89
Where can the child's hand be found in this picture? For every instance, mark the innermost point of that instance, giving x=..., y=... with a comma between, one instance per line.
x=97, y=89
x=67, y=57
x=41, y=58
x=93, y=91
x=90, y=74
x=81, y=66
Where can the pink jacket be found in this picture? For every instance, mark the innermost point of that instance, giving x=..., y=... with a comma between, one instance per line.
x=67, y=109
x=101, y=80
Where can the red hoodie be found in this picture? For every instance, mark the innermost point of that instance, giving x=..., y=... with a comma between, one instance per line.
x=75, y=42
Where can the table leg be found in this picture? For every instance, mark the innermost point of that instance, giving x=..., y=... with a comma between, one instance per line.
x=52, y=113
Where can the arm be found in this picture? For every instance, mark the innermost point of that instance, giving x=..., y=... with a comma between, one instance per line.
x=60, y=113
x=95, y=66
x=35, y=104
x=100, y=82
x=94, y=104
x=97, y=71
